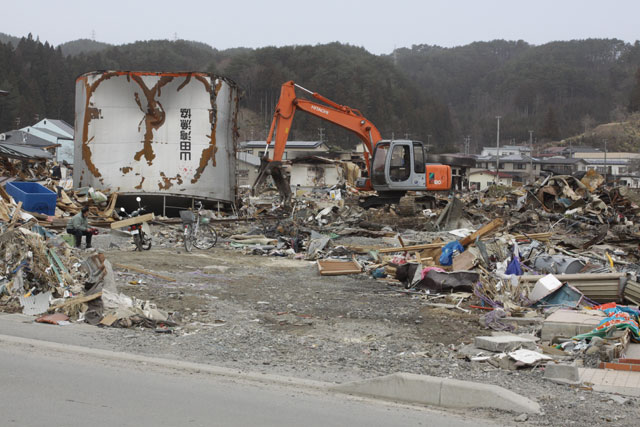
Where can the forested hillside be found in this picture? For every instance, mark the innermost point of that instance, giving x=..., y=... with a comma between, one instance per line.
x=557, y=90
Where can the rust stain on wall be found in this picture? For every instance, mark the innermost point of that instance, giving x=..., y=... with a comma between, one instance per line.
x=154, y=115
x=209, y=153
x=91, y=113
x=184, y=83
x=125, y=170
x=139, y=186
x=168, y=181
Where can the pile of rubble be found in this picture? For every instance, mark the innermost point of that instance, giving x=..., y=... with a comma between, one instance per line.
x=41, y=273
x=533, y=262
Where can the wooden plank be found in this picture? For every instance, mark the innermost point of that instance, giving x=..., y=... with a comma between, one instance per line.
x=485, y=229
x=5, y=196
x=412, y=248
x=130, y=221
x=535, y=236
x=143, y=271
x=76, y=300
x=108, y=212
x=329, y=267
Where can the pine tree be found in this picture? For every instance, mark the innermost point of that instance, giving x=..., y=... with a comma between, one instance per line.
x=634, y=102
x=550, y=129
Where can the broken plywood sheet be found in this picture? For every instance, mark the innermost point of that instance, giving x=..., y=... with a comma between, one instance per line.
x=331, y=267
x=35, y=304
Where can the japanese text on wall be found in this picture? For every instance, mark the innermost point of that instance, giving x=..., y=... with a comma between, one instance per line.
x=185, y=134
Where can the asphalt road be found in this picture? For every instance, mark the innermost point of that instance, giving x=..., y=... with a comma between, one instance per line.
x=43, y=387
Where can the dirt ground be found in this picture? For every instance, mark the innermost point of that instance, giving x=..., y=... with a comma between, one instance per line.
x=279, y=316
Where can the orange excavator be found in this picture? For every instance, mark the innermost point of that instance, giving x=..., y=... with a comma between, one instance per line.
x=393, y=167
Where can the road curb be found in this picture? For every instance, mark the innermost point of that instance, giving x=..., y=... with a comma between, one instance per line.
x=169, y=363
x=399, y=387
x=436, y=391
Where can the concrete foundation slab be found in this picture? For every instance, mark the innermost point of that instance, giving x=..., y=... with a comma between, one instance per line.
x=568, y=323
x=504, y=343
x=565, y=374
x=610, y=381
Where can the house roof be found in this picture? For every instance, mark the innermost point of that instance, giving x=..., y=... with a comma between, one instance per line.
x=512, y=158
x=493, y=173
x=609, y=161
x=19, y=137
x=50, y=132
x=23, y=152
x=66, y=127
x=561, y=161
x=510, y=147
x=290, y=144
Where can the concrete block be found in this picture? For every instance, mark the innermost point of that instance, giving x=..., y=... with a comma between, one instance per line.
x=568, y=323
x=565, y=374
x=504, y=343
x=436, y=391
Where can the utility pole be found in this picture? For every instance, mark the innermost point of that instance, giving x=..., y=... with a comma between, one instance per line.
x=428, y=147
x=498, y=149
x=321, y=130
x=531, y=154
x=605, y=162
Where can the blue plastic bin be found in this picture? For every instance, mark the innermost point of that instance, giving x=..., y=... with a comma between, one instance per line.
x=34, y=197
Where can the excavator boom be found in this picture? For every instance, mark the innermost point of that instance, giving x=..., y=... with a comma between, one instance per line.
x=394, y=167
x=288, y=103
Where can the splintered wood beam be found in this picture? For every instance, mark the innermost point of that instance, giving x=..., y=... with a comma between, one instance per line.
x=484, y=230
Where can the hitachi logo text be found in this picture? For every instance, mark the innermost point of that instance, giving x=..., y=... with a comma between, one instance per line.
x=320, y=110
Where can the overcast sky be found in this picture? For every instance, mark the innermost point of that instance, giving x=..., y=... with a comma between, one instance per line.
x=377, y=25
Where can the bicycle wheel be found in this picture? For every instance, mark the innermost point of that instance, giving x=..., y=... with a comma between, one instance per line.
x=205, y=238
x=188, y=237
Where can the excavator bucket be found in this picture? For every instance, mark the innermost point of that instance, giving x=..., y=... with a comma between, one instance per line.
x=273, y=169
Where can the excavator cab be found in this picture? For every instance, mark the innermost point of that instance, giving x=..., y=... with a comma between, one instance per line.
x=398, y=165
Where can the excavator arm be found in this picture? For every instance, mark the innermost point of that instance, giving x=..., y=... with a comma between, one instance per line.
x=343, y=116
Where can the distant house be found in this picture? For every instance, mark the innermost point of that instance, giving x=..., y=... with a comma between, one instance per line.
x=566, y=151
x=247, y=166
x=57, y=132
x=561, y=165
x=522, y=168
x=506, y=150
x=293, y=149
x=481, y=179
x=315, y=172
x=614, y=167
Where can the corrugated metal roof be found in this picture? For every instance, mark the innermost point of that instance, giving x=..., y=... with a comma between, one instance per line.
x=501, y=174
x=62, y=125
x=52, y=133
x=609, y=161
x=558, y=161
x=290, y=144
x=19, y=137
x=23, y=152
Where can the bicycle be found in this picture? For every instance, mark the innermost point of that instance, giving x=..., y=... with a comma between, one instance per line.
x=197, y=230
